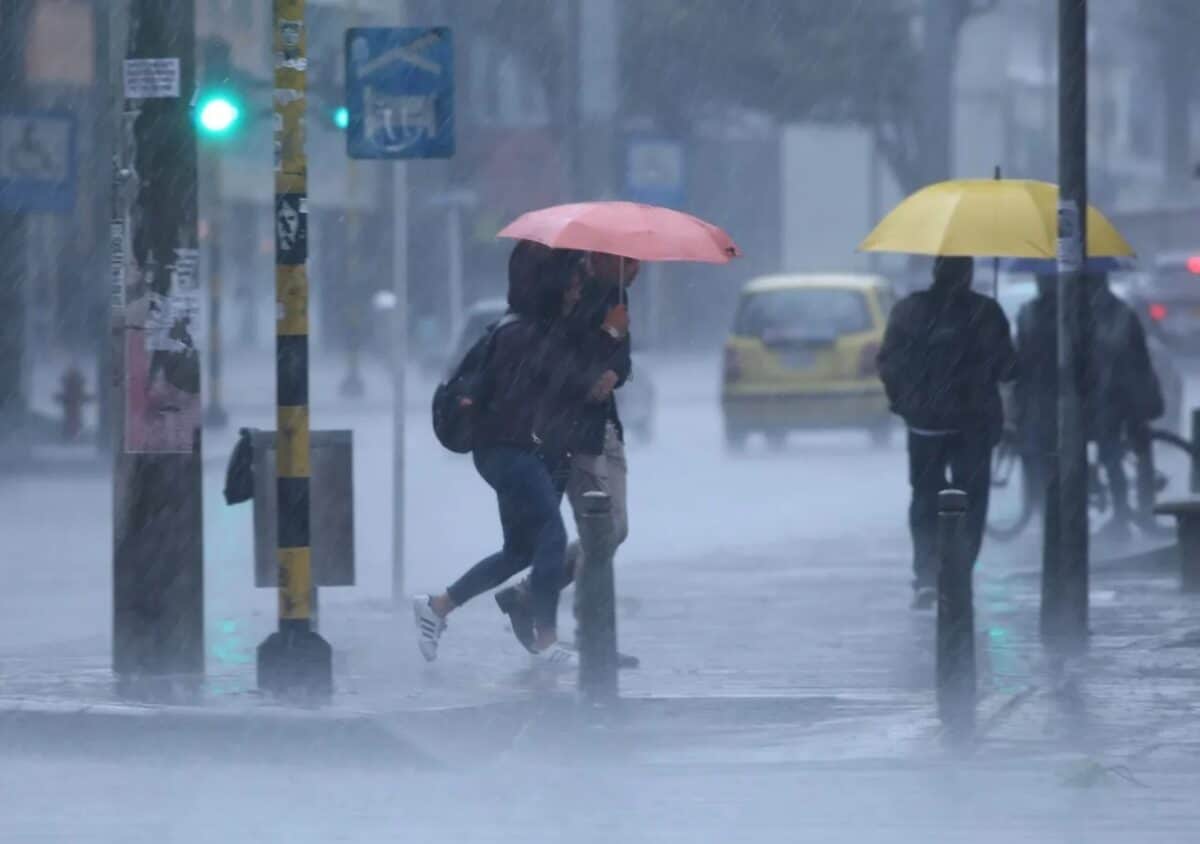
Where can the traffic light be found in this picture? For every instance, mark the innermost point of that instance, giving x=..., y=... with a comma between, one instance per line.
x=219, y=104
x=341, y=117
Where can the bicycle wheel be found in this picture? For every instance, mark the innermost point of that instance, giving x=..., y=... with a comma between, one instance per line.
x=1012, y=501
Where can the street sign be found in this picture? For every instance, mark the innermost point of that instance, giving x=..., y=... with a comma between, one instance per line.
x=37, y=162
x=400, y=92
x=655, y=171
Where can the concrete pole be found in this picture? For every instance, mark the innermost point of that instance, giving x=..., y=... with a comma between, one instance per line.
x=158, y=582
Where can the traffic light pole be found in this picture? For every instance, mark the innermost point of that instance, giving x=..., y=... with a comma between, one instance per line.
x=215, y=415
x=1065, y=569
x=158, y=584
x=294, y=661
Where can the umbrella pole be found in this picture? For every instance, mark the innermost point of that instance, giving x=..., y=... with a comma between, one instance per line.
x=996, y=259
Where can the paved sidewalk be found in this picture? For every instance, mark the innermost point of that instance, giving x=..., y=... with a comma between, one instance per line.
x=807, y=653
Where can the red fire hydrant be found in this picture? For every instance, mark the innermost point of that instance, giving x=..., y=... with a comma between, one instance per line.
x=73, y=396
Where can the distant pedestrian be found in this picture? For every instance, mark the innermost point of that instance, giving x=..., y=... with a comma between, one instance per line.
x=533, y=388
x=600, y=329
x=944, y=354
x=1122, y=395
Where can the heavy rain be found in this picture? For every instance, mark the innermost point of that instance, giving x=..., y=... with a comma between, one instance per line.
x=600, y=420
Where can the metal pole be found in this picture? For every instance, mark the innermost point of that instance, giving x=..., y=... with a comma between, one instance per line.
x=158, y=581
x=399, y=365
x=352, y=385
x=15, y=16
x=294, y=661
x=937, y=77
x=956, y=685
x=1194, y=477
x=595, y=599
x=214, y=415
x=1065, y=619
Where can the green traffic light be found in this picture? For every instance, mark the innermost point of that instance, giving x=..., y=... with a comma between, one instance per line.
x=218, y=115
x=341, y=117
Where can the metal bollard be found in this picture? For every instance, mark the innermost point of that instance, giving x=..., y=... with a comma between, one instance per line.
x=596, y=602
x=1195, y=455
x=955, y=617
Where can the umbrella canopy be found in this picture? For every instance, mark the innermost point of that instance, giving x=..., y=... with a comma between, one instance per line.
x=1006, y=218
x=628, y=229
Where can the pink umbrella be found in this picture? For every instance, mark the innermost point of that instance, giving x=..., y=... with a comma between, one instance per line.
x=628, y=229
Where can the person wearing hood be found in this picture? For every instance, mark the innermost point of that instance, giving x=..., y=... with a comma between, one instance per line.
x=534, y=386
x=944, y=354
x=600, y=330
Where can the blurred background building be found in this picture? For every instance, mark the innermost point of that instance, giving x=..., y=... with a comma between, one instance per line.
x=793, y=123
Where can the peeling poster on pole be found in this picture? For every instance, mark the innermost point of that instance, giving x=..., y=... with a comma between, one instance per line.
x=162, y=389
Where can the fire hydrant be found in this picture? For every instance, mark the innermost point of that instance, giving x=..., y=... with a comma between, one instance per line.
x=73, y=396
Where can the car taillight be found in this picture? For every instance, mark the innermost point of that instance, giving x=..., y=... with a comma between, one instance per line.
x=733, y=364
x=868, y=366
x=1193, y=265
x=1158, y=312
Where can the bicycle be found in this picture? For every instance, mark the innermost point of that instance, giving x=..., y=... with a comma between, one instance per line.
x=1016, y=498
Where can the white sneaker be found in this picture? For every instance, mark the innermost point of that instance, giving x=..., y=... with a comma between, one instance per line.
x=557, y=657
x=429, y=627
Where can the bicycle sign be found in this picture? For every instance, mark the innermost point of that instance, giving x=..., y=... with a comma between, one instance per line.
x=400, y=92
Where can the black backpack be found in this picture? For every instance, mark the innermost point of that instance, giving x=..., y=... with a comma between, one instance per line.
x=935, y=386
x=453, y=424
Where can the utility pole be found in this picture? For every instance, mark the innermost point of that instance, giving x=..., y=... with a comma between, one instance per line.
x=215, y=415
x=158, y=585
x=937, y=85
x=1065, y=567
x=294, y=661
x=352, y=385
x=14, y=399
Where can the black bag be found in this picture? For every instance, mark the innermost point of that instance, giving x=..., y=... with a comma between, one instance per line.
x=453, y=424
x=239, y=475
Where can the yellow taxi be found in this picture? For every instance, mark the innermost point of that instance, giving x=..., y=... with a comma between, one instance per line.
x=802, y=357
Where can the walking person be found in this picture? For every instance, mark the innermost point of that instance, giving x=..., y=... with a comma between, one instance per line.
x=533, y=387
x=1122, y=396
x=600, y=328
x=944, y=354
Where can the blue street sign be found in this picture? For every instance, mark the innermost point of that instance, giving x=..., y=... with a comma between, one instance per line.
x=400, y=92
x=38, y=169
x=655, y=170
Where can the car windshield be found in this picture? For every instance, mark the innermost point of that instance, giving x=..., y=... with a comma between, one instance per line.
x=803, y=312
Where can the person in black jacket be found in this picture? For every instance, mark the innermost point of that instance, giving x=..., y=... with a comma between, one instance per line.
x=944, y=354
x=600, y=327
x=534, y=387
x=1122, y=395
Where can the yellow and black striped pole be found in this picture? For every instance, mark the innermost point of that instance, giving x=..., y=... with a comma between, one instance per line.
x=293, y=661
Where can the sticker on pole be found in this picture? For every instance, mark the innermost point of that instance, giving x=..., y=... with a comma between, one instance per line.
x=291, y=229
x=1070, y=240
x=151, y=79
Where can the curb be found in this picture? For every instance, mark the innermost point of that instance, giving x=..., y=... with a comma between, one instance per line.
x=261, y=735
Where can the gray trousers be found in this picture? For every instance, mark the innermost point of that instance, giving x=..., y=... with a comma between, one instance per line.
x=606, y=472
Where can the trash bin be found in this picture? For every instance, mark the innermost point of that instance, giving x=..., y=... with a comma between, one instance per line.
x=331, y=518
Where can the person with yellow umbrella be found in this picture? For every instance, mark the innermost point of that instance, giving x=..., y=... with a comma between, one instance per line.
x=947, y=349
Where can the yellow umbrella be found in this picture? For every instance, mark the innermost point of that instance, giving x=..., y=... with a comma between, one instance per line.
x=1005, y=218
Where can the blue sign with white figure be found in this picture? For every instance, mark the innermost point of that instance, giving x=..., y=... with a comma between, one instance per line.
x=37, y=162
x=400, y=92
x=655, y=170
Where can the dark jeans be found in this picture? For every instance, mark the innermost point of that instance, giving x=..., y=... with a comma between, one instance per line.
x=1111, y=448
x=530, y=495
x=957, y=461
